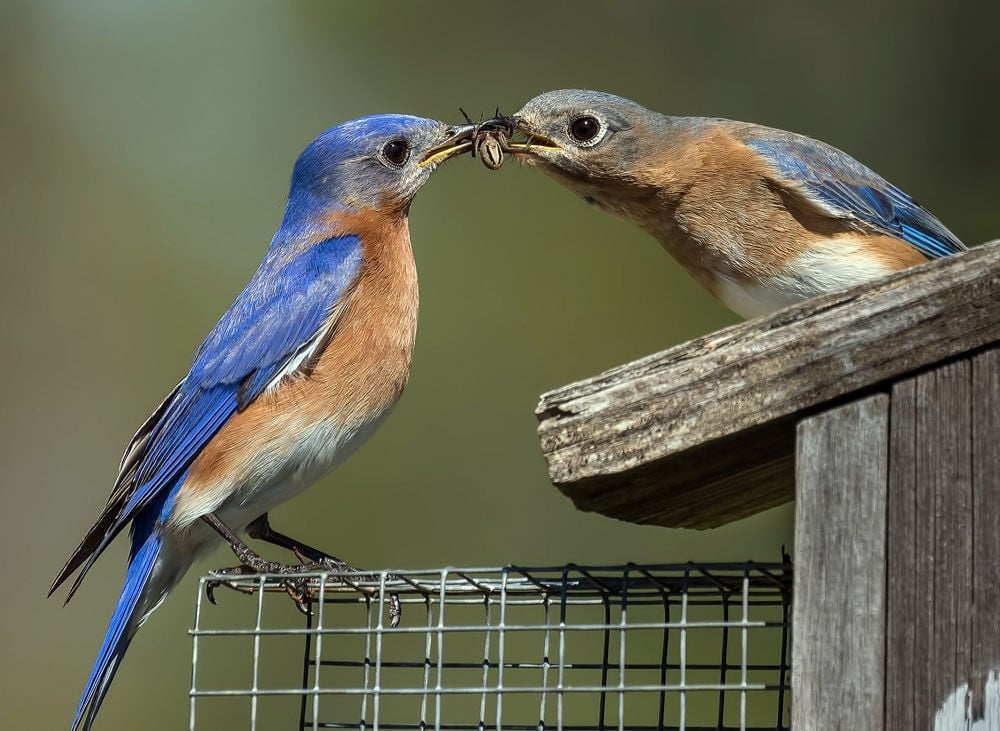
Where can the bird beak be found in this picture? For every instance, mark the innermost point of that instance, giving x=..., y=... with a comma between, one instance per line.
x=520, y=137
x=459, y=139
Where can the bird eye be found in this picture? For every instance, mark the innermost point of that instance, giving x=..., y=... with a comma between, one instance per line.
x=585, y=129
x=396, y=152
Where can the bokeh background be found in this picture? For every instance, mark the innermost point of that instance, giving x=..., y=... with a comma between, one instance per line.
x=146, y=149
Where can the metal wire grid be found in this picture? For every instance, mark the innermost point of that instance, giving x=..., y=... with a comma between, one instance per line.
x=574, y=648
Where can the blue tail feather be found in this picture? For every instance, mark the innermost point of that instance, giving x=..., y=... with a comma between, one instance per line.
x=120, y=631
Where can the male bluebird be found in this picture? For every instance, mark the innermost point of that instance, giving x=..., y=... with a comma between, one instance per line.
x=761, y=217
x=300, y=370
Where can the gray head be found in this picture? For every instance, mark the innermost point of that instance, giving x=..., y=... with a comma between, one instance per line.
x=581, y=135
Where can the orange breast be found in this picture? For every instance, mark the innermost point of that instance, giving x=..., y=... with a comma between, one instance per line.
x=726, y=216
x=356, y=378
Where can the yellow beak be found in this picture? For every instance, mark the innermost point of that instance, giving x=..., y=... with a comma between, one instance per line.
x=518, y=137
x=459, y=140
x=532, y=141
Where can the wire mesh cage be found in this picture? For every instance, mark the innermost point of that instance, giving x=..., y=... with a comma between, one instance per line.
x=681, y=646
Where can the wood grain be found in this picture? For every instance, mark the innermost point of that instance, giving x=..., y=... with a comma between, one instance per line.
x=985, y=649
x=838, y=650
x=908, y=559
x=930, y=543
x=703, y=433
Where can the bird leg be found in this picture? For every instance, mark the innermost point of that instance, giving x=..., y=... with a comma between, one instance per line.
x=312, y=560
x=261, y=530
x=252, y=563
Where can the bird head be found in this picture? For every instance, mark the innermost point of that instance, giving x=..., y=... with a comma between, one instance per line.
x=377, y=162
x=588, y=140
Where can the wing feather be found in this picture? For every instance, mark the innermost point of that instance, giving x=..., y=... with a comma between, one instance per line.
x=285, y=309
x=845, y=188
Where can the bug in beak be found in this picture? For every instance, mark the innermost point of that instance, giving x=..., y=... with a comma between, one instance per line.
x=516, y=136
x=459, y=140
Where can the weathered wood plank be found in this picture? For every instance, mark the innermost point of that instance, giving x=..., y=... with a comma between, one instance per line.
x=985, y=523
x=930, y=544
x=839, y=610
x=702, y=434
x=944, y=465
x=906, y=556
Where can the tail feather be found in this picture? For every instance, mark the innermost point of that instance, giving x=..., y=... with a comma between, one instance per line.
x=133, y=605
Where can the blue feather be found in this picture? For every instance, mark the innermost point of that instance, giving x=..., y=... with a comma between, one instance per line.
x=121, y=629
x=277, y=313
x=281, y=309
x=840, y=182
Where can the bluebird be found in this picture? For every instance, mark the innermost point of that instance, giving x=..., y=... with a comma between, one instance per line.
x=761, y=217
x=303, y=367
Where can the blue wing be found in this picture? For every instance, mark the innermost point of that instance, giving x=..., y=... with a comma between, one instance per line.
x=278, y=313
x=273, y=317
x=281, y=310
x=841, y=183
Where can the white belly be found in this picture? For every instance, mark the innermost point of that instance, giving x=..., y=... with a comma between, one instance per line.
x=273, y=475
x=317, y=452
x=841, y=264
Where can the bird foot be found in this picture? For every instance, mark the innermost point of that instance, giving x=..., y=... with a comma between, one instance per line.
x=294, y=583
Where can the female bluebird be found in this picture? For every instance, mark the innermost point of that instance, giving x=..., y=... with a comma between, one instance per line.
x=301, y=369
x=761, y=217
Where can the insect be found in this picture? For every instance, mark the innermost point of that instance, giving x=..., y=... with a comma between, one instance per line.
x=489, y=143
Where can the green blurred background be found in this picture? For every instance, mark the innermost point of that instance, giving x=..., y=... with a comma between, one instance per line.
x=146, y=153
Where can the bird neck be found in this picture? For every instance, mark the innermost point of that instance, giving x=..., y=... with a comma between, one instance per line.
x=308, y=221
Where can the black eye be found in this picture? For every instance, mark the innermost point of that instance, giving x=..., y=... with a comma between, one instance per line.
x=396, y=152
x=584, y=129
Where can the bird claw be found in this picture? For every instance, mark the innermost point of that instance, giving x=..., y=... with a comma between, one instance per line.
x=302, y=596
x=298, y=589
x=212, y=584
